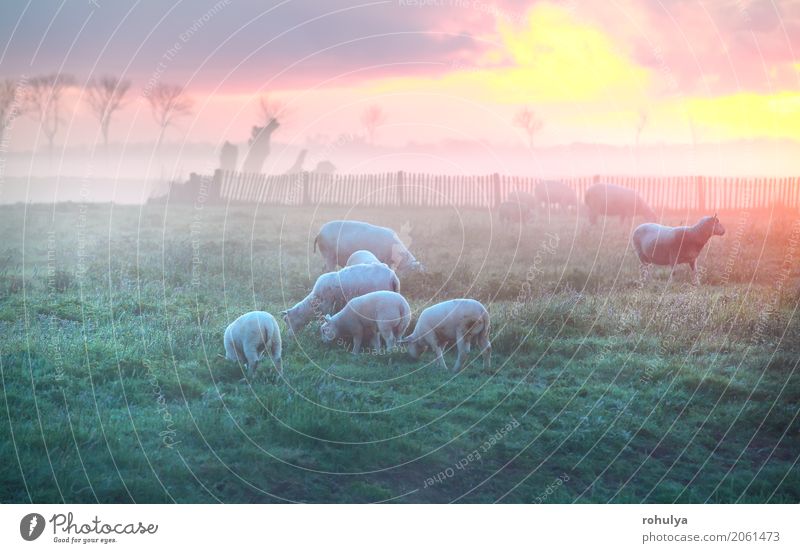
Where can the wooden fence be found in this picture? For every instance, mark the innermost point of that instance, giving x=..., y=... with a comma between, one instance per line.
x=482, y=191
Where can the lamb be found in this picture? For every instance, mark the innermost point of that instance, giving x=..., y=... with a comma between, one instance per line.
x=514, y=213
x=333, y=290
x=662, y=245
x=362, y=256
x=610, y=199
x=250, y=336
x=554, y=192
x=460, y=321
x=338, y=240
x=372, y=316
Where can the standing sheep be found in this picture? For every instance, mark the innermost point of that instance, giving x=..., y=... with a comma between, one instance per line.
x=338, y=240
x=250, y=336
x=459, y=321
x=522, y=197
x=554, y=192
x=362, y=256
x=333, y=290
x=372, y=316
x=610, y=199
x=514, y=213
x=662, y=245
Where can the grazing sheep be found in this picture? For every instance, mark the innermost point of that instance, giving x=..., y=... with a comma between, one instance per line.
x=460, y=321
x=522, y=197
x=514, y=213
x=333, y=290
x=362, y=256
x=662, y=245
x=338, y=240
x=250, y=336
x=610, y=199
x=554, y=192
x=372, y=316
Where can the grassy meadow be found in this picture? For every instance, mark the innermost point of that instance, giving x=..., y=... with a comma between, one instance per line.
x=602, y=388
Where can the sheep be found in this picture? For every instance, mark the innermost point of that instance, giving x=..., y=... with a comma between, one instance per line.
x=250, y=336
x=522, y=197
x=361, y=256
x=514, y=212
x=338, y=240
x=610, y=199
x=553, y=192
x=333, y=290
x=662, y=245
x=372, y=316
x=463, y=321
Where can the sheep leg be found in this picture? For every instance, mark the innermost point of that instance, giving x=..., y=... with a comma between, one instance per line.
x=387, y=333
x=251, y=355
x=695, y=275
x=358, y=336
x=437, y=349
x=486, y=351
x=330, y=261
x=644, y=272
x=376, y=341
x=462, y=346
x=275, y=355
x=440, y=356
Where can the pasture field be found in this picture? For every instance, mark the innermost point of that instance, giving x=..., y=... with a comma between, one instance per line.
x=602, y=388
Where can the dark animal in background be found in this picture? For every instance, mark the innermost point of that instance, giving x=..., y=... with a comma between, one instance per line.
x=522, y=197
x=661, y=245
x=513, y=212
x=555, y=193
x=610, y=200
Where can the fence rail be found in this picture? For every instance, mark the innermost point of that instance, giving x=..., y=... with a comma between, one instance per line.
x=481, y=191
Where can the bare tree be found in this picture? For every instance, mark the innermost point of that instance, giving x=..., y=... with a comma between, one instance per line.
x=640, y=125
x=43, y=97
x=11, y=104
x=168, y=103
x=105, y=96
x=372, y=118
x=526, y=120
x=260, y=135
x=271, y=109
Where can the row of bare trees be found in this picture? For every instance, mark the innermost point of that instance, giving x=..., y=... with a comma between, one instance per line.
x=42, y=98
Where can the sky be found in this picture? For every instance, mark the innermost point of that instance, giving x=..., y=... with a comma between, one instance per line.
x=442, y=71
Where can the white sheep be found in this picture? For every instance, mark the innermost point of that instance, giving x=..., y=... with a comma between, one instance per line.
x=337, y=240
x=362, y=256
x=663, y=245
x=459, y=321
x=333, y=290
x=372, y=316
x=252, y=335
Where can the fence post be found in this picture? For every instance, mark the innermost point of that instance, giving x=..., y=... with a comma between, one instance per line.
x=399, y=184
x=306, y=191
x=215, y=190
x=701, y=193
x=496, y=186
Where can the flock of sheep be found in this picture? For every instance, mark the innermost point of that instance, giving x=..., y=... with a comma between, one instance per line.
x=361, y=303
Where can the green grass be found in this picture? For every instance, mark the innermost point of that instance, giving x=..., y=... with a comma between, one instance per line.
x=114, y=388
